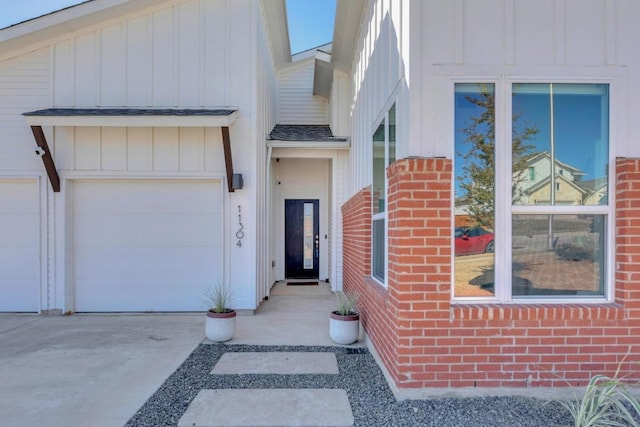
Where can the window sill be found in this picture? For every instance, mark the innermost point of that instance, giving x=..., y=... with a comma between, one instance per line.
x=541, y=311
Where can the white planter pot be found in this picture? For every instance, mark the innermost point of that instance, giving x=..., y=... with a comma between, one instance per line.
x=220, y=327
x=344, y=329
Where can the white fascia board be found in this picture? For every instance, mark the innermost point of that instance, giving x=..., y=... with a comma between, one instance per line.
x=133, y=121
x=330, y=145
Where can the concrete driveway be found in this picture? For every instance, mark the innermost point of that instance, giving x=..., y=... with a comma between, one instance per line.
x=98, y=370
x=88, y=370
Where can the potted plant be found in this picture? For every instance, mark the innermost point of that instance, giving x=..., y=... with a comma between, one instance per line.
x=344, y=325
x=221, y=320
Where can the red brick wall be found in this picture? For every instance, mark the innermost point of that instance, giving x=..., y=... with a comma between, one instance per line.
x=425, y=341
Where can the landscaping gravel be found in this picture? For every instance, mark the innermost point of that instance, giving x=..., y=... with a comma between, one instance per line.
x=372, y=402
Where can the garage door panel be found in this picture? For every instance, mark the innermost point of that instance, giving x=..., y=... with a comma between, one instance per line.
x=21, y=196
x=18, y=262
x=148, y=196
x=146, y=245
x=147, y=295
x=20, y=229
x=197, y=263
x=19, y=245
x=126, y=230
x=18, y=295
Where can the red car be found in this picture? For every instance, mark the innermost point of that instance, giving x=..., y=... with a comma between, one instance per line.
x=473, y=240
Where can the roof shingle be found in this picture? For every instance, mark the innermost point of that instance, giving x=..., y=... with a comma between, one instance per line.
x=303, y=133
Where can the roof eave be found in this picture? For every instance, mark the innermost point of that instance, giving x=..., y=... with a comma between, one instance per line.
x=345, y=32
x=58, y=23
x=275, y=12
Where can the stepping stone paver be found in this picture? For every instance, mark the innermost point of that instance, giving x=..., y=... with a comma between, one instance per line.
x=269, y=407
x=283, y=363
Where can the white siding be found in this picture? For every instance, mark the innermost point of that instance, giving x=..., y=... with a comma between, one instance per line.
x=378, y=69
x=340, y=119
x=150, y=150
x=266, y=98
x=340, y=181
x=422, y=47
x=24, y=86
x=190, y=54
x=546, y=40
x=297, y=105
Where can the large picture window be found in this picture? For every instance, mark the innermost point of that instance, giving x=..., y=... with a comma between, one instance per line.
x=384, y=153
x=543, y=211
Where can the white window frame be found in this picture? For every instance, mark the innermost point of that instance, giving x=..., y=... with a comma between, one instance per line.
x=503, y=233
x=383, y=215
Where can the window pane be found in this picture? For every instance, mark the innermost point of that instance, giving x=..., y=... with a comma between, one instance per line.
x=392, y=134
x=474, y=189
x=379, y=170
x=565, y=125
x=558, y=255
x=377, y=250
x=308, y=237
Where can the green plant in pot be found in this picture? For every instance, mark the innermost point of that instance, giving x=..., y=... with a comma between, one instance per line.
x=344, y=324
x=221, y=319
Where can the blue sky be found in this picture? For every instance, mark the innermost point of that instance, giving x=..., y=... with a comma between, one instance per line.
x=310, y=21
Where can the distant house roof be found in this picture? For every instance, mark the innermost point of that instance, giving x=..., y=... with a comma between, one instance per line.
x=303, y=133
x=592, y=184
x=535, y=157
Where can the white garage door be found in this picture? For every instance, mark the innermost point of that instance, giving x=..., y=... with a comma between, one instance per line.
x=19, y=237
x=146, y=245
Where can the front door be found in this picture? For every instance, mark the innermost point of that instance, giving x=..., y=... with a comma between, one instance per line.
x=301, y=239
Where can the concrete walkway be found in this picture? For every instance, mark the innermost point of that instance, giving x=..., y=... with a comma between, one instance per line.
x=99, y=370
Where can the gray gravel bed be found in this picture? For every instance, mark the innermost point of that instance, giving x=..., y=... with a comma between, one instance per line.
x=372, y=402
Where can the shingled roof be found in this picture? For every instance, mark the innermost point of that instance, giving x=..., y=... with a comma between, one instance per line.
x=304, y=133
x=72, y=112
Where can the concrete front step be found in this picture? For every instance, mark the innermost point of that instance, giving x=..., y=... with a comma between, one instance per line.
x=283, y=363
x=269, y=407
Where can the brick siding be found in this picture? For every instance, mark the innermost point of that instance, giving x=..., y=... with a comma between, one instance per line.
x=426, y=341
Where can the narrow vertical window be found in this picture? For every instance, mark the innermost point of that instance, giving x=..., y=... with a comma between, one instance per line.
x=308, y=237
x=474, y=164
x=378, y=199
x=384, y=153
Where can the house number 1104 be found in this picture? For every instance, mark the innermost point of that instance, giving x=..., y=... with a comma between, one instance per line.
x=239, y=233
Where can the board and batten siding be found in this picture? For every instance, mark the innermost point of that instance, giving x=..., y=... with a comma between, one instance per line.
x=379, y=65
x=24, y=86
x=427, y=45
x=546, y=40
x=297, y=105
x=189, y=54
x=266, y=98
x=139, y=150
x=340, y=185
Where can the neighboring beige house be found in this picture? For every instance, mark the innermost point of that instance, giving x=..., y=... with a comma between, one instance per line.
x=568, y=186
